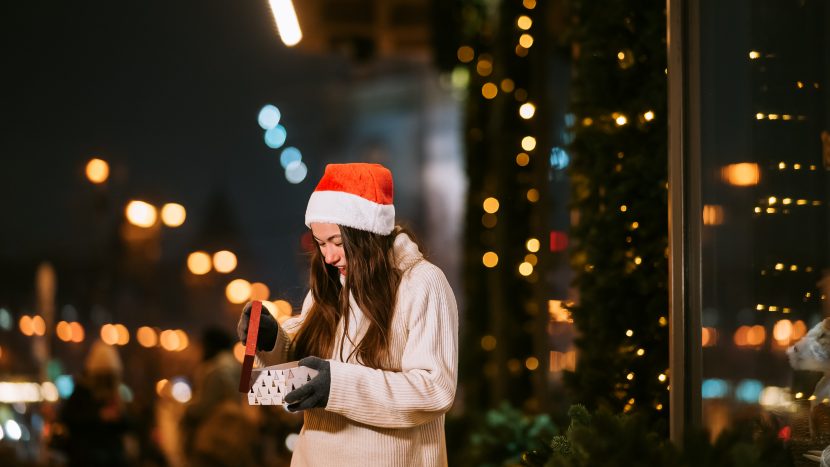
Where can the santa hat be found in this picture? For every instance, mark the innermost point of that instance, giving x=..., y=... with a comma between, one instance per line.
x=354, y=195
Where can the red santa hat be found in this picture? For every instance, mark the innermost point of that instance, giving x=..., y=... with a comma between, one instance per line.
x=354, y=195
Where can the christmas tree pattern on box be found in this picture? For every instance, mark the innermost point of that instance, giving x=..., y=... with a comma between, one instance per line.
x=272, y=383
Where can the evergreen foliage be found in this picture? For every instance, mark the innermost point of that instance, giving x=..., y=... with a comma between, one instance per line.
x=619, y=197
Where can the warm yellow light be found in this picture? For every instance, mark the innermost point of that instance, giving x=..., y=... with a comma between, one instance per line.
x=799, y=84
x=488, y=343
x=288, y=26
x=109, y=334
x=532, y=245
x=239, y=352
x=801, y=202
x=123, y=334
x=184, y=341
x=742, y=174
x=532, y=259
x=284, y=310
x=173, y=214
x=238, y=291
x=629, y=376
x=635, y=225
x=489, y=90
x=146, y=336
x=796, y=166
x=491, y=205
x=772, y=116
x=629, y=333
x=525, y=268
x=712, y=214
x=620, y=120
x=77, y=331
x=533, y=195
x=97, y=170
x=25, y=324
x=638, y=260
x=759, y=116
x=779, y=266
x=527, y=110
x=161, y=385
x=529, y=4
x=587, y=121
x=524, y=22
x=141, y=214
x=753, y=55
x=198, y=262
x=526, y=40
x=662, y=321
x=224, y=261
x=64, y=331
x=648, y=116
x=528, y=143
x=38, y=325
x=466, y=54
x=756, y=335
x=259, y=291
x=782, y=331
x=522, y=159
x=490, y=259
x=661, y=377
x=532, y=363
x=620, y=55
x=507, y=85
x=484, y=66
x=169, y=340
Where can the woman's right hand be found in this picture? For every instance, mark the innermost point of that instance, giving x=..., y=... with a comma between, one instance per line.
x=268, y=328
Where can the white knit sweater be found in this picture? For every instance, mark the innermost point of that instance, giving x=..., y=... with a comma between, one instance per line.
x=387, y=418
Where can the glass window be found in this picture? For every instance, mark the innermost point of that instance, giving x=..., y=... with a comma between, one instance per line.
x=765, y=167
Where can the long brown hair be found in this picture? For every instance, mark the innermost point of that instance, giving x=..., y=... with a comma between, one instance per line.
x=373, y=280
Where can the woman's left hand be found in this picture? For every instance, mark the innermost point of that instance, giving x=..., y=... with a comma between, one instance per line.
x=315, y=393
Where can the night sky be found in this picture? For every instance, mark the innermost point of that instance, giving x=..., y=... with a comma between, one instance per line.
x=167, y=93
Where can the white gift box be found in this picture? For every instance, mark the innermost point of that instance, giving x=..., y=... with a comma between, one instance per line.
x=272, y=383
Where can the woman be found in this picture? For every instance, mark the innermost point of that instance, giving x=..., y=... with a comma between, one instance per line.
x=380, y=324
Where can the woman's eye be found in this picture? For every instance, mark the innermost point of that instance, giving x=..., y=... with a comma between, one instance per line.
x=338, y=244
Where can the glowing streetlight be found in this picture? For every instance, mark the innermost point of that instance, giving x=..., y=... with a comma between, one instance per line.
x=141, y=214
x=173, y=214
x=97, y=170
x=288, y=26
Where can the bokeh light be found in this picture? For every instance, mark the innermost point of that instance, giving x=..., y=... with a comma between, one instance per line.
x=269, y=117
x=198, y=262
x=289, y=155
x=141, y=214
x=146, y=336
x=275, y=137
x=490, y=259
x=173, y=214
x=97, y=171
x=259, y=291
x=296, y=172
x=224, y=261
x=238, y=291
x=284, y=310
x=528, y=143
x=491, y=205
x=527, y=110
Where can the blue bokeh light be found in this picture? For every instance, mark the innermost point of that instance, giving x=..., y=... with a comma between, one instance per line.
x=559, y=159
x=5, y=319
x=714, y=388
x=296, y=172
x=749, y=390
x=275, y=137
x=289, y=155
x=65, y=386
x=269, y=117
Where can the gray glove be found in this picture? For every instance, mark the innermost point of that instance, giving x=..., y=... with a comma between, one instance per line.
x=314, y=393
x=268, y=328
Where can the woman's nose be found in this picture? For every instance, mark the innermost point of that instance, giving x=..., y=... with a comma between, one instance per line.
x=329, y=256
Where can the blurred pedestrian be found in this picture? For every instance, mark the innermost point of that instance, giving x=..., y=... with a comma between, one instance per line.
x=95, y=417
x=380, y=325
x=216, y=430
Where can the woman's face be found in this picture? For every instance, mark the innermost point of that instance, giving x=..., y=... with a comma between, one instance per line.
x=330, y=242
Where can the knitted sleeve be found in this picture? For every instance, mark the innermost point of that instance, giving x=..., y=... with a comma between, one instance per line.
x=424, y=388
x=287, y=332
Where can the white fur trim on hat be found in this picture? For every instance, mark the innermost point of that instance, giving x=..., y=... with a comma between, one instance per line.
x=337, y=207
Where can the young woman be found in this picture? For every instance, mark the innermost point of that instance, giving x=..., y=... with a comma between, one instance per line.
x=380, y=324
